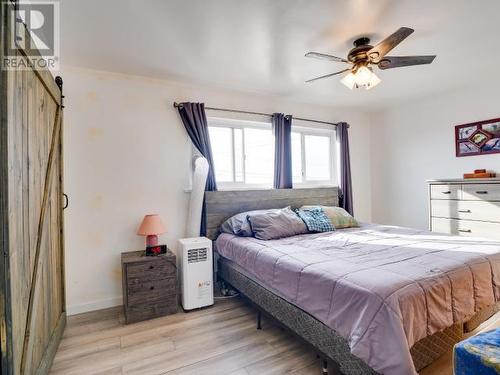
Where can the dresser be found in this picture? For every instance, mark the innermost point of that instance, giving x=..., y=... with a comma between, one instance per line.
x=149, y=285
x=465, y=207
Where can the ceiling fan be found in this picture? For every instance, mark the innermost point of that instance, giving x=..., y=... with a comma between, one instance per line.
x=363, y=56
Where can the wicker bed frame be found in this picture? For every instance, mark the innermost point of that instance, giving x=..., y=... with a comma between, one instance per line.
x=221, y=205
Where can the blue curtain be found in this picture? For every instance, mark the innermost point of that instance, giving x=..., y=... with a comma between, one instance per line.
x=282, y=129
x=195, y=122
x=345, y=193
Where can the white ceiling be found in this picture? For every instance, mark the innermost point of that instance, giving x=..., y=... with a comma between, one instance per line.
x=258, y=45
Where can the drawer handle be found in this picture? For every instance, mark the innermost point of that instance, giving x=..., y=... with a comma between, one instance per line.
x=151, y=267
x=465, y=230
x=481, y=192
x=66, y=201
x=446, y=192
x=151, y=288
x=464, y=211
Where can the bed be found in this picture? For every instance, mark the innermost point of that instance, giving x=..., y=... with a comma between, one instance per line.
x=374, y=299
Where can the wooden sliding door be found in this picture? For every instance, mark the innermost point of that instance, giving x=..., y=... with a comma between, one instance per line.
x=32, y=301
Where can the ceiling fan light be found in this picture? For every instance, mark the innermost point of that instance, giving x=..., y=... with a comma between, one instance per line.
x=363, y=76
x=373, y=82
x=349, y=80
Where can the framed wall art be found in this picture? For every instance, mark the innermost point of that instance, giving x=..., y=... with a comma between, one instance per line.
x=478, y=138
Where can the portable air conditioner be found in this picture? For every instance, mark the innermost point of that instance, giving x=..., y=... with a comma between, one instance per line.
x=194, y=256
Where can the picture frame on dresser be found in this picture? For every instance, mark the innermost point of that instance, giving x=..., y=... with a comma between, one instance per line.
x=477, y=138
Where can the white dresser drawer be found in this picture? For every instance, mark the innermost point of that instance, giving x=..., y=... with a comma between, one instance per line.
x=468, y=210
x=445, y=191
x=466, y=228
x=483, y=192
x=442, y=225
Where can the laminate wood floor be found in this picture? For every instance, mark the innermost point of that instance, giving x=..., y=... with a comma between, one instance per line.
x=220, y=340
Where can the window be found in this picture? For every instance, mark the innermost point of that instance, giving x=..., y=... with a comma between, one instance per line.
x=243, y=153
x=221, y=140
x=313, y=152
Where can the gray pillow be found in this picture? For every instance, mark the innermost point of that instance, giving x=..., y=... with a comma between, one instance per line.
x=239, y=225
x=277, y=224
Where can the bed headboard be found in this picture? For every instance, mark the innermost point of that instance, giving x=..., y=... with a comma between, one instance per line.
x=221, y=205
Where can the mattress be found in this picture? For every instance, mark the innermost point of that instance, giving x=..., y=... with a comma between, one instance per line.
x=382, y=288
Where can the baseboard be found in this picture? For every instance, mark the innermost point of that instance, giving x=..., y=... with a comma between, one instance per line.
x=94, y=305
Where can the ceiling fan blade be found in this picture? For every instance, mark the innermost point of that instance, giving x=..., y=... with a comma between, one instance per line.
x=323, y=56
x=389, y=62
x=328, y=75
x=382, y=48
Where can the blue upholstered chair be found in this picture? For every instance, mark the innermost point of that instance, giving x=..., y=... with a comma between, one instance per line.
x=478, y=355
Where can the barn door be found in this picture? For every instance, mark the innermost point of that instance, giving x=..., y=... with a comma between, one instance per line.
x=33, y=287
x=35, y=221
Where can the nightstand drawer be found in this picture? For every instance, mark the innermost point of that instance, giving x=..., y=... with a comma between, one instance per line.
x=140, y=292
x=151, y=270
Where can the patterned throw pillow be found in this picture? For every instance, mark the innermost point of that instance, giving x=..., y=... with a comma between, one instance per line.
x=315, y=219
x=339, y=217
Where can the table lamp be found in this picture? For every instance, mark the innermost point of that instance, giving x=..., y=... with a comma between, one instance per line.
x=151, y=227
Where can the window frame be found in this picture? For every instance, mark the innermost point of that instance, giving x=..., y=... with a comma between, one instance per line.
x=232, y=124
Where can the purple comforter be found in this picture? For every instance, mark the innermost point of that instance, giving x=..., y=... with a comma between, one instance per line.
x=382, y=288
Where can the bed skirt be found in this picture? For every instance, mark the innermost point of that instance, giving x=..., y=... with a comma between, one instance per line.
x=326, y=340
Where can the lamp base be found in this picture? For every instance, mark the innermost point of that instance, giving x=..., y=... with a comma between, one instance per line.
x=151, y=240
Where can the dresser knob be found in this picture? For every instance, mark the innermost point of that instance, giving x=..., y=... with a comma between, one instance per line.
x=446, y=192
x=482, y=192
x=464, y=211
x=465, y=230
x=151, y=287
x=151, y=267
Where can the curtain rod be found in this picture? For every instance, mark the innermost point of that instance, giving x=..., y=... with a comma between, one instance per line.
x=178, y=105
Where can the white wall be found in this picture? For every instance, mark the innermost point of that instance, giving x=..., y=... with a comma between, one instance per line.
x=414, y=142
x=127, y=154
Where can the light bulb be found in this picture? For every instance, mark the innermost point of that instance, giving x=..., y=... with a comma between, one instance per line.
x=364, y=77
x=349, y=80
x=374, y=82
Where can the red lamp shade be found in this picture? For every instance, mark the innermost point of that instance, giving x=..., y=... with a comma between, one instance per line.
x=151, y=227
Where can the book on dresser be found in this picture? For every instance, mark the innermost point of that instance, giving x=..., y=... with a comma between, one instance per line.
x=467, y=207
x=149, y=285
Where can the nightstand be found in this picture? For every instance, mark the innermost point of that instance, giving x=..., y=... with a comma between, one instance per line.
x=149, y=285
